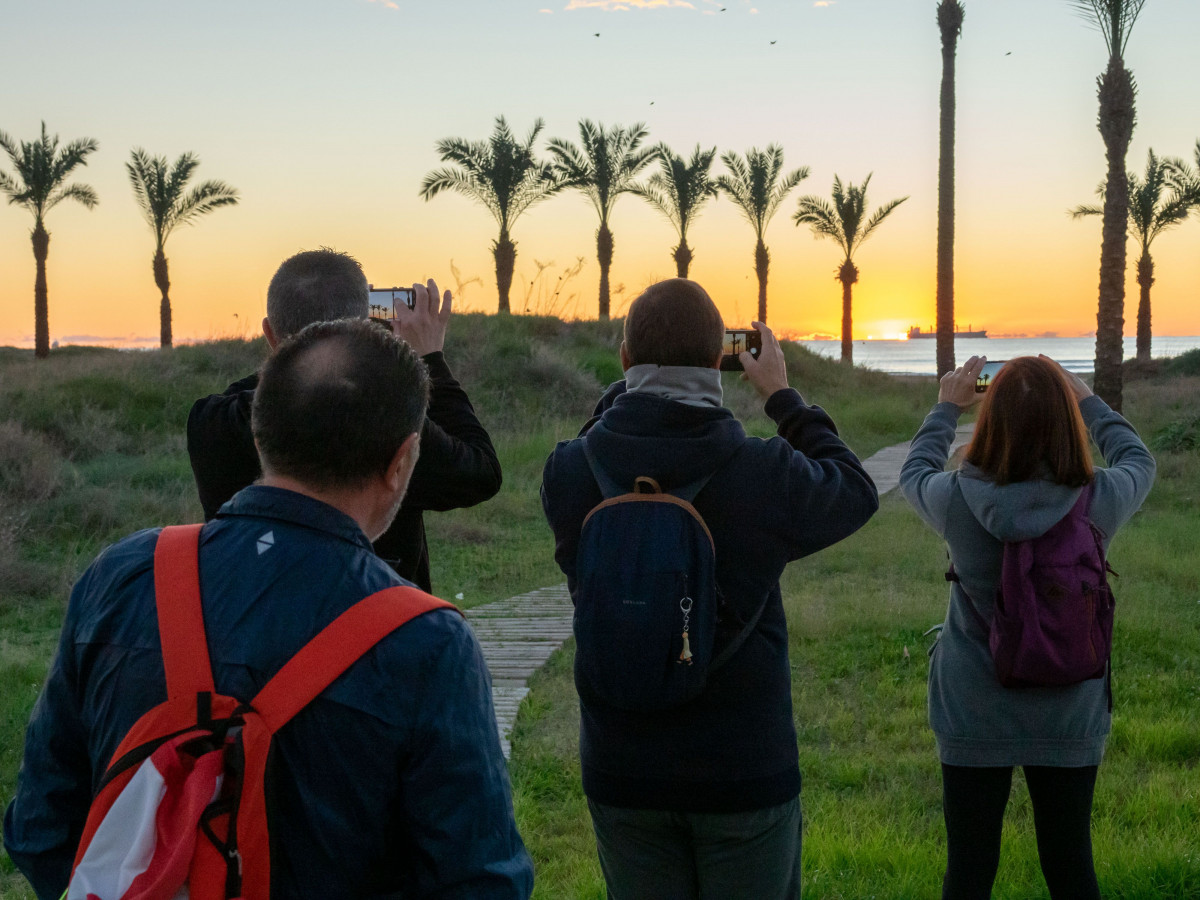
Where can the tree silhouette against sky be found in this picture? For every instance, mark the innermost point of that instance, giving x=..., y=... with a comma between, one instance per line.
x=950, y=14
x=1116, y=91
x=160, y=189
x=757, y=185
x=39, y=185
x=845, y=222
x=1154, y=207
x=603, y=167
x=504, y=176
x=679, y=189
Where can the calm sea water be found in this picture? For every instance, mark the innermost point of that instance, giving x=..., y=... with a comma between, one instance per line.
x=919, y=357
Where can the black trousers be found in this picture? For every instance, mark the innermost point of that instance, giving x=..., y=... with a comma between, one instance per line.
x=973, y=800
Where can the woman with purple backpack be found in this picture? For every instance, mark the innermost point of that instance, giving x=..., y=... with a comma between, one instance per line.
x=1027, y=481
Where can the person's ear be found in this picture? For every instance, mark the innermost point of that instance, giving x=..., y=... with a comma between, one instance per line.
x=269, y=333
x=625, y=361
x=717, y=362
x=400, y=469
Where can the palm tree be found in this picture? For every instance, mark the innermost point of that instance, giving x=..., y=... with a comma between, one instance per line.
x=679, y=190
x=950, y=14
x=1152, y=210
x=757, y=185
x=603, y=167
x=41, y=168
x=845, y=221
x=501, y=174
x=1116, y=92
x=159, y=189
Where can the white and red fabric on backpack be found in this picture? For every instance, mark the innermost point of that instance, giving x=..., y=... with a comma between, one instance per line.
x=181, y=813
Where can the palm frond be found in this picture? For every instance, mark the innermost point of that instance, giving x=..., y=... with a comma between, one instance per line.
x=501, y=173
x=203, y=199
x=878, y=216
x=80, y=192
x=1114, y=19
x=1080, y=211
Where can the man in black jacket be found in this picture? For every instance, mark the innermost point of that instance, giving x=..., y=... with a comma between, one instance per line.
x=702, y=799
x=458, y=466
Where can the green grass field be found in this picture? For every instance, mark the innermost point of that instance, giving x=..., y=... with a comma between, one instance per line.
x=92, y=448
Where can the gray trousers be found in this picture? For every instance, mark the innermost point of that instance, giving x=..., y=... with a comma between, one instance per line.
x=649, y=854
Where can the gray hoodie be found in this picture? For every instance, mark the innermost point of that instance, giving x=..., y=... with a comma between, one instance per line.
x=976, y=721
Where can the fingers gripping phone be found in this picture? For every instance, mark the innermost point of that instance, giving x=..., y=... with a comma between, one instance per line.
x=987, y=375
x=738, y=340
x=383, y=301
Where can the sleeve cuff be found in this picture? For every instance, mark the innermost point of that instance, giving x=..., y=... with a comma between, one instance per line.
x=947, y=409
x=437, y=365
x=1092, y=408
x=783, y=402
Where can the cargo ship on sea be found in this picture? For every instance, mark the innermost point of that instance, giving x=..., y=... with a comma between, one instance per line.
x=915, y=332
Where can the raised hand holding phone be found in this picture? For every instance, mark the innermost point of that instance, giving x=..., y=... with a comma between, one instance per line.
x=423, y=325
x=767, y=373
x=958, y=387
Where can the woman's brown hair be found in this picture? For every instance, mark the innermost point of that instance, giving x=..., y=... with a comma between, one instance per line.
x=1029, y=425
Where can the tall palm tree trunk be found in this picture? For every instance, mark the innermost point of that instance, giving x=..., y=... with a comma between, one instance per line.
x=847, y=275
x=164, y=307
x=41, y=294
x=683, y=258
x=762, y=262
x=1116, y=93
x=505, y=252
x=1145, y=278
x=604, y=253
x=950, y=27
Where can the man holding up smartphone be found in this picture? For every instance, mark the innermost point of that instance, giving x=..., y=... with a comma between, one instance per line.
x=457, y=467
x=701, y=799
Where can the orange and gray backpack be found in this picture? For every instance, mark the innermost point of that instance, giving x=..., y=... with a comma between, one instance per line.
x=181, y=812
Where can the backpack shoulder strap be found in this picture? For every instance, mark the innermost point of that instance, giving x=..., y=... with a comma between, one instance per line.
x=180, y=615
x=338, y=646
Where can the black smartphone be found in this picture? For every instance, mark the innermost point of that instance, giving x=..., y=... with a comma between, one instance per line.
x=383, y=301
x=739, y=340
x=987, y=375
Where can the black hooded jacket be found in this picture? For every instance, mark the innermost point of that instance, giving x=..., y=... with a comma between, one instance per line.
x=457, y=467
x=769, y=502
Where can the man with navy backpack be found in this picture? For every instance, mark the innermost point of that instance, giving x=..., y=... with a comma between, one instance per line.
x=391, y=782
x=693, y=781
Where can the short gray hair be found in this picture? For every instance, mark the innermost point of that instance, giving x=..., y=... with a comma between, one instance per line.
x=316, y=286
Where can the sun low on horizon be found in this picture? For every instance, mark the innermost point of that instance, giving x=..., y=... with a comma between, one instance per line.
x=324, y=115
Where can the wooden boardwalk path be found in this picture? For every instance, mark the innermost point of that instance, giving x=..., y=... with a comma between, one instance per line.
x=519, y=634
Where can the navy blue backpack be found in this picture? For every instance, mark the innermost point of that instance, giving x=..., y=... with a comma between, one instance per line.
x=646, y=598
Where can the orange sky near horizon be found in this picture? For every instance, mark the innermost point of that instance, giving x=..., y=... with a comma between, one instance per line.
x=333, y=154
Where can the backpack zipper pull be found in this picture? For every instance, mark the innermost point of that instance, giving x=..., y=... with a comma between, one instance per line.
x=686, y=656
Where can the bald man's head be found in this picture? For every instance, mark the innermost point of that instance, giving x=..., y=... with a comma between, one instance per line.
x=335, y=402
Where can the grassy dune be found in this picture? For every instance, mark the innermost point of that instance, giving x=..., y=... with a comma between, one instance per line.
x=92, y=448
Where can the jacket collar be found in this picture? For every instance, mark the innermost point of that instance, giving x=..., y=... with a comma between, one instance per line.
x=261, y=502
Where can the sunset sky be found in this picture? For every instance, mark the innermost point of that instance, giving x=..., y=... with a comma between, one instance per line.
x=324, y=114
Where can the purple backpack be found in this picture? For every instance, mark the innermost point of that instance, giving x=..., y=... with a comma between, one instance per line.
x=1053, y=615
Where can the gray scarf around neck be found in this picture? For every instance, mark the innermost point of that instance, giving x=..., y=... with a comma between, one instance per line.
x=683, y=384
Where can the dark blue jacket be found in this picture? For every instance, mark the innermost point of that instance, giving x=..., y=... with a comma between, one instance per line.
x=771, y=501
x=391, y=783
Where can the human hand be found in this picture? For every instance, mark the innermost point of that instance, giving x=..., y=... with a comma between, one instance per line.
x=424, y=326
x=768, y=373
x=958, y=387
x=1078, y=386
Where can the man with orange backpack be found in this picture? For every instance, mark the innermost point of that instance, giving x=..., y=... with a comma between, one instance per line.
x=228, y=712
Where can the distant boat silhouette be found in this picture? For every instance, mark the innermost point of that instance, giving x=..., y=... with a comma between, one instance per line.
x=916, y=332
